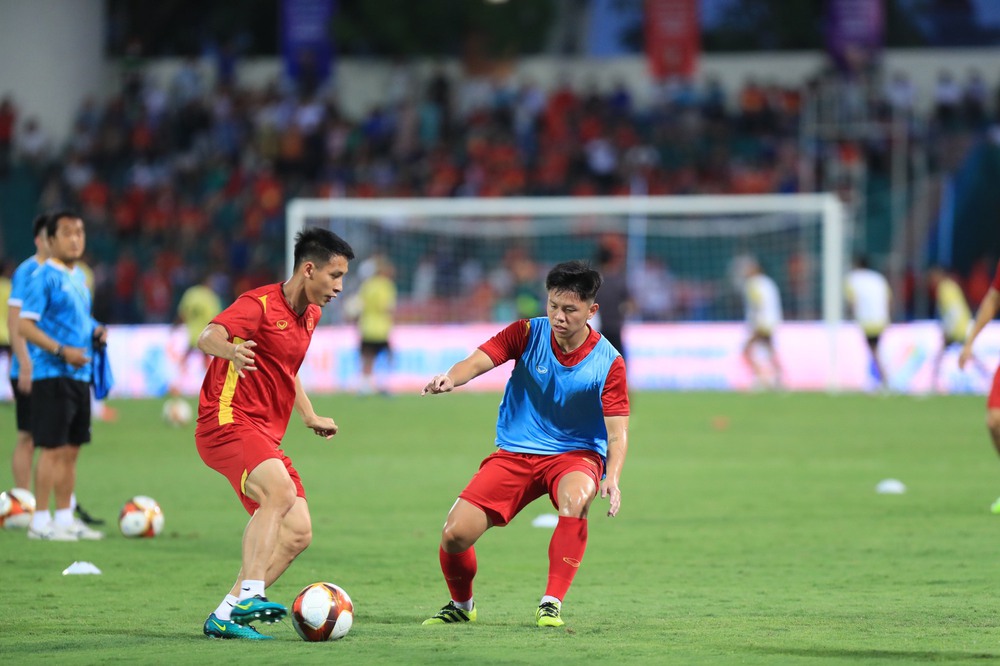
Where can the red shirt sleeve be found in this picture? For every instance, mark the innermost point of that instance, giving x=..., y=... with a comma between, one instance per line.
x=615, y=396
x=242, y=318
x=996, y=278
x=508, y=344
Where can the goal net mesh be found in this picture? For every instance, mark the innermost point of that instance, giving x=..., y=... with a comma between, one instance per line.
x=481, y=267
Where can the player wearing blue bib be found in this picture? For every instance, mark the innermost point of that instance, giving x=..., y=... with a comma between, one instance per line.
x=20, y=359
x=562, y=431
x=56, y=319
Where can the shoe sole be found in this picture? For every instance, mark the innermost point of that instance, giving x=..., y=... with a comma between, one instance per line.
x=267, y=616
x=37, y=537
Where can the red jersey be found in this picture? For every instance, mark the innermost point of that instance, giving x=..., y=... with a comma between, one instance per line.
x=996, y=278
x=509, y=344
x=262, y=399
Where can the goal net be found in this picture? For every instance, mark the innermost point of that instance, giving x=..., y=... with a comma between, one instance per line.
x=485, y=260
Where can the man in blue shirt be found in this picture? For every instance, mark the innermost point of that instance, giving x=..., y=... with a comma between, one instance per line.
x=561, y=431
x=56, y=319
x=20, y=362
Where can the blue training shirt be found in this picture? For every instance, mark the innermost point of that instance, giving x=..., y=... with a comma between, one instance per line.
x=549, y=408
x=58, y=300
x=18, y=285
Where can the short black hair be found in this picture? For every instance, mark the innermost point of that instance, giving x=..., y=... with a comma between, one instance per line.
x=39, y=224
x=52, y=220
x=576, y=277
x=319, y=245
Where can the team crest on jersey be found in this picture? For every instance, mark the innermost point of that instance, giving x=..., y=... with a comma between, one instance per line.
x=281, y=324
x=310, y=323
x=541, y=369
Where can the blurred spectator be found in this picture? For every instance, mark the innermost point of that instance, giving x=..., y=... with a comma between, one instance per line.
x=8, y=121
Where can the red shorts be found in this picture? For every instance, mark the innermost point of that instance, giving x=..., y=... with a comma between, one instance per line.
x=234, y=451
x=507, y=482
x=993, y=402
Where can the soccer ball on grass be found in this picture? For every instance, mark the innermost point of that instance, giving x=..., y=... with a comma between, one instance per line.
x=141, y=517
x=177, y=412
x=17, y=505
x=322, y=612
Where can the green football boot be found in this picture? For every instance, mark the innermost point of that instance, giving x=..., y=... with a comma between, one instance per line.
x=216, y=628
x=452, y=614
x=547, y=615
x=258, y=608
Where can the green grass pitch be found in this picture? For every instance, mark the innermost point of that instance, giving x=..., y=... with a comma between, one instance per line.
x=750, y=532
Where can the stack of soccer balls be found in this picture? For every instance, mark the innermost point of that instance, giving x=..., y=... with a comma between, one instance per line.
x=17, y=505
x=141, y=517
x=322, y=612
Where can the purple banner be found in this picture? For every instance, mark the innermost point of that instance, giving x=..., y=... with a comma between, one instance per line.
x=855, y=32
x=306, y=46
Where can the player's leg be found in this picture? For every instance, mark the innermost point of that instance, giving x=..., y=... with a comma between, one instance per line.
x=873, y=343
x=24, y=447
x=748, y=357
x=772, y=355
x=576, y=488
x=464, y=525
x=993, y=422
x=271, y=487
x=79, y=434
x=50, y=416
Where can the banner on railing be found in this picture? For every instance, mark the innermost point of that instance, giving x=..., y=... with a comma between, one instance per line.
x=150, y=360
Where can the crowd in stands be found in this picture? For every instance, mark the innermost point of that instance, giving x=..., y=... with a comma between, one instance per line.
x=180, y=179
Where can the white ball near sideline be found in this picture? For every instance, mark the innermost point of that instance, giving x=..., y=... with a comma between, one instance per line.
x=177, y=412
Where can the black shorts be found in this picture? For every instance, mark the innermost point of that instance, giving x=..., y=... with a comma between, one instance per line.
x=60, y=412
x=374, y=348
x=22, y=407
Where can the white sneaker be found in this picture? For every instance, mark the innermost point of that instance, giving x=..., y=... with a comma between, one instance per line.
x=53, y=532
x=80, y=529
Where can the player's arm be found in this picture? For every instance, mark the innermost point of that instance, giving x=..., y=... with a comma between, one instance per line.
x=461, y=373
x=323, y=426
x=20, y=348
x=214, y=341
x=75, y=356
x=617, y=448
x=987, y=310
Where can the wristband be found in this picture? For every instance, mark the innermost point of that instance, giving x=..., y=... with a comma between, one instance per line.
x=60, y=354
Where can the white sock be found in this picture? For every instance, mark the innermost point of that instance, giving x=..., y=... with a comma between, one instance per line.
x=72, y=501
x=64, y=517
x=464, y=605
x=250, y=588
x=547, y=598
x=40, y=520
x=225, y=610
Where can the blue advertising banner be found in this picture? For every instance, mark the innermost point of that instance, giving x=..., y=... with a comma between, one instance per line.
x=855, y=32
x=306, y=45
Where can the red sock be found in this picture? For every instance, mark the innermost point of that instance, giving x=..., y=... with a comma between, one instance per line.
x=565, y=554
x=459, y=569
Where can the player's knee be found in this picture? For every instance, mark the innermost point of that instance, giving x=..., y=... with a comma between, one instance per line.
x=454, y=539
x=280, y=496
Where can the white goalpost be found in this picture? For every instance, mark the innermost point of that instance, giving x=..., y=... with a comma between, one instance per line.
x=463, y=260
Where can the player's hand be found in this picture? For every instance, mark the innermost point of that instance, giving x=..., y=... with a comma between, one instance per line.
x=244, y=357
x=964, y=357
x=76, y=356
x=323, y=426
x=440, y=384
x=24, y=379
x=610, y=490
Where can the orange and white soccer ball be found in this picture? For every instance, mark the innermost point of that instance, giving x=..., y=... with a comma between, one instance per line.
x=322, y=612
x=177, y=412
x=141, y=517
x=17, y=506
